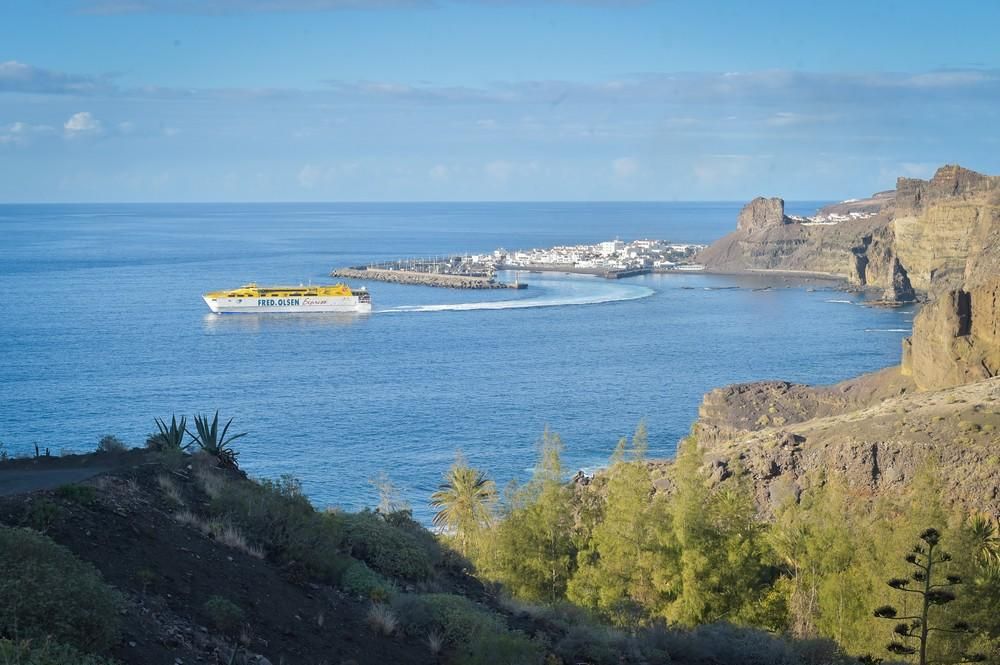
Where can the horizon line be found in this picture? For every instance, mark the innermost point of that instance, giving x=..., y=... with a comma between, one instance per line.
x=413, y=202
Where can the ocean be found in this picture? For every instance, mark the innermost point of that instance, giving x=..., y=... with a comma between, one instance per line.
x=103, y=329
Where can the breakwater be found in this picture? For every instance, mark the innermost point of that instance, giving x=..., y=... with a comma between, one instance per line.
x=442, y=280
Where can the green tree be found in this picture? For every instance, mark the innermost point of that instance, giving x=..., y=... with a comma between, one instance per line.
x=627, y=571
x=724, y=571
x=465, y=503
x=535, y=552
x=932, y=593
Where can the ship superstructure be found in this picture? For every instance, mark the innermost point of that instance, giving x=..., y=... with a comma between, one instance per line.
x=286, y=299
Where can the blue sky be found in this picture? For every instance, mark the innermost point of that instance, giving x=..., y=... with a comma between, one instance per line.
x=398, y=100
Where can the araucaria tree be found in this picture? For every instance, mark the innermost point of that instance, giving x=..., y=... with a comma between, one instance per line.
x=933, y=591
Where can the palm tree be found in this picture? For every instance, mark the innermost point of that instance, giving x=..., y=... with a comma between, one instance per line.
x=465, y=501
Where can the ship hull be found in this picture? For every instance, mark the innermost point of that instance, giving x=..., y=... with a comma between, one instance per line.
x=299, y=305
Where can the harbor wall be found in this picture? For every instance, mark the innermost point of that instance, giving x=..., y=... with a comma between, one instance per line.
x=423, y=278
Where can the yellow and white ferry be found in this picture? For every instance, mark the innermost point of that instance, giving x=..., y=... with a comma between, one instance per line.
x=322, y=298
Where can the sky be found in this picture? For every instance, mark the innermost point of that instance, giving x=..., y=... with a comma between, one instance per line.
x=493, y=100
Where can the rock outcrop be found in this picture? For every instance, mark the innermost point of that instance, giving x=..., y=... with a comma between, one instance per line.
x=875, y=449
x=762, y=214
x=956, y=339
x=927, y=238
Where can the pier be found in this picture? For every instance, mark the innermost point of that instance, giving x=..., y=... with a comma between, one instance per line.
x=419, y=278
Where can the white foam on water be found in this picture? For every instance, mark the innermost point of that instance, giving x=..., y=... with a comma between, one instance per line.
x=601, y=293
x=845, y=302
x=893, y=330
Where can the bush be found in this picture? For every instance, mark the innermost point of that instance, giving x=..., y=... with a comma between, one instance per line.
x=502, y=648
x=46, y=652
x=82, y=494
x=393, y=551
x=454, y=618
x=223, y=614
x=42, y=514
x=277, y=514
x=46, y=592
x=360, y=580
x=110, y=443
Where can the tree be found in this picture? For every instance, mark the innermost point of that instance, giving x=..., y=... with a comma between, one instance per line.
x=465, y=501
x=535, y=550
x=627, y=570
x=932, y=595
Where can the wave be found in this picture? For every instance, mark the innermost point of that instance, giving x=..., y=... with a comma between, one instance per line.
x=892, y=330
x=845, y=302
x=602, y=294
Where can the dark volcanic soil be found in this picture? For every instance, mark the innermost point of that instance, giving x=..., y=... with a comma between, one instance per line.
x=168, y=570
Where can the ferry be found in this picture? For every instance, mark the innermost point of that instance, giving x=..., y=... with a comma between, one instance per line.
x=288, y=299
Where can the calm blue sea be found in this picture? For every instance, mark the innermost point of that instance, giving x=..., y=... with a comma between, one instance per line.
x=102, y=328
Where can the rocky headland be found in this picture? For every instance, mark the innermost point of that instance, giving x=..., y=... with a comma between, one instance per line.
x=922, y=239
x=936, y=240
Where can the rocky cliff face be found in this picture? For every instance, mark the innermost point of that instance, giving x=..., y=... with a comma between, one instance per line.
x=875, y=448
x=956, y=339
x=947, y=229
x=761, y=214
x=927, y=238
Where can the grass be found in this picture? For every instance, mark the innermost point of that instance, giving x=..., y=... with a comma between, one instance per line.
x=382, y=619
x=170, y=488
x=220, y=531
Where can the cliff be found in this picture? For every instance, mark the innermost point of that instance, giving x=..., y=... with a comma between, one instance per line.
x=938, y=239
x=925, y=238
x=956, y=339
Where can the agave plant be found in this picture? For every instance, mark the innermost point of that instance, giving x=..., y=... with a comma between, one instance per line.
x=171, y=438
x=219, y=446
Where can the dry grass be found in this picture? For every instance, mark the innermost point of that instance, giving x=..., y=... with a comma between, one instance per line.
x=227, y=534
x=382, y=620
x=170, y=488
x=209, y=482
x=435, y=642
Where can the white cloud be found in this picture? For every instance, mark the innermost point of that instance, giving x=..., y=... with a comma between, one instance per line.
x=791, y=119
x=501, y=171
x=82, y=124
x=310, y=176
x=439, y=173
x=625, y=167
x=21, y=133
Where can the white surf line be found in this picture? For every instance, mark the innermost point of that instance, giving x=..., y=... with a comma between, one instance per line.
x=632, y=293
x=844, y=302
x=893, y=330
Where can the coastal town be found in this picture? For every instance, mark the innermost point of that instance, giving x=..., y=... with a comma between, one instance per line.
x=612, y=259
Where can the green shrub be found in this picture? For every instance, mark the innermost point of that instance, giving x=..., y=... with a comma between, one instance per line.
x=223, y=614
x=454, y=618
x=391, y=550
x=42, y=514
x=82, y=494
x=502, y=648
x=45, y=591
x=45, y=652
x=110, y=443
x=277, y=514
x=360, y=580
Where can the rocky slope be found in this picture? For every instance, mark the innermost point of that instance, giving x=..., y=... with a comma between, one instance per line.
x=877, y=448
x=939, y=239
x=925, y=238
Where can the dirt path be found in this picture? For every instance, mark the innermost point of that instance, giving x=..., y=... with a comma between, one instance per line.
x=22, y=481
